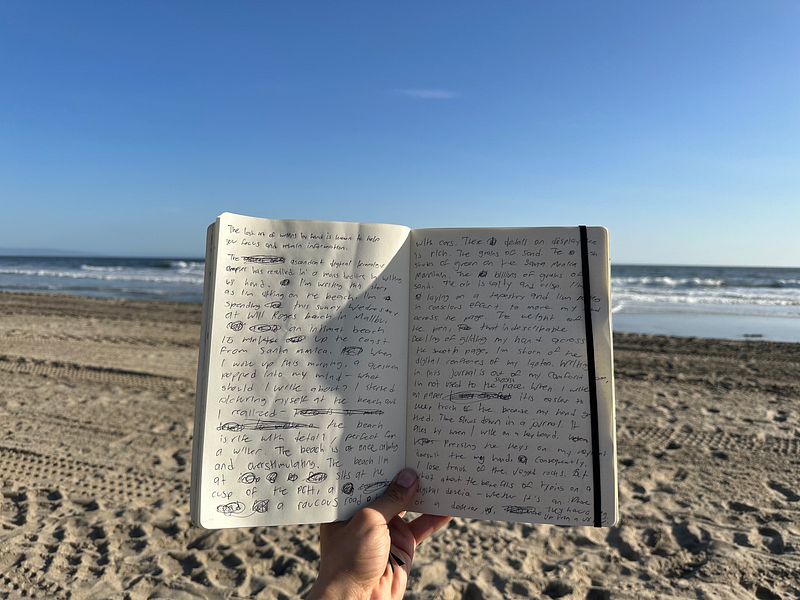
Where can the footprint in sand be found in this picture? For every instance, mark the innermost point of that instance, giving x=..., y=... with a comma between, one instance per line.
x=784, y=491
x=742, y=507
x=772, y=540
x=695, y=539
x=779, y=416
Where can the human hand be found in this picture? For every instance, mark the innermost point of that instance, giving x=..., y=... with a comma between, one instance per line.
x=369, y=556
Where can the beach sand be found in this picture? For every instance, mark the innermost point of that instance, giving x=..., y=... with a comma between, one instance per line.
x=96, y=412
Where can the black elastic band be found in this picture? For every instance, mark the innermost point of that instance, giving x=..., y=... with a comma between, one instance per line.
x=587, y=311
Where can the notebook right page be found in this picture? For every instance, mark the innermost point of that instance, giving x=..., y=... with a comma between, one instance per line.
x=499, y=415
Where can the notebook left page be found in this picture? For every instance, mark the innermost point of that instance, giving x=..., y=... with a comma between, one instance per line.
x=304, y=411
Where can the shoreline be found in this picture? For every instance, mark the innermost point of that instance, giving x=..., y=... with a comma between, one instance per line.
x=97, y=405
x=678, y=325
x=710, y=326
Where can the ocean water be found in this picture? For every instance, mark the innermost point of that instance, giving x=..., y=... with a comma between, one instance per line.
x=711, y=302
x=174, y=279
x=718, y=302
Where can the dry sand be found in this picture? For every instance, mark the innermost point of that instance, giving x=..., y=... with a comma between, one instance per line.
x=96, y=405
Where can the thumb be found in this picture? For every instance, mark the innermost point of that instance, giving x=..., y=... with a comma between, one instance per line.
x=397, y=495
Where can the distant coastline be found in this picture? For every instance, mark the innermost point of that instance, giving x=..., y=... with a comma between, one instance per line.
x=4, y=252
x=50, y=253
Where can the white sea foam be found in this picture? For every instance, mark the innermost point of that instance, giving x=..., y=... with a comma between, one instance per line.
x=174, y=279
x=706, y=290
x=108, y=274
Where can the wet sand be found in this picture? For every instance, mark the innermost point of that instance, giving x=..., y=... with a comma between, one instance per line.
x=96, y=410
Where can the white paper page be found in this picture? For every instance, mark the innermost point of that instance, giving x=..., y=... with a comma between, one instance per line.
x=305, y=414
x=498, y=417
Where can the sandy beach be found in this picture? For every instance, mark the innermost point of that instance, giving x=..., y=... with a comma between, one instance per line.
x=96, y=414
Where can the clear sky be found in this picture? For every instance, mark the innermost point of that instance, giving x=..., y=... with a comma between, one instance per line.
x=127, y=127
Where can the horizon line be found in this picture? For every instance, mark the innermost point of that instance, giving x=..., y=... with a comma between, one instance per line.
x=53, y=253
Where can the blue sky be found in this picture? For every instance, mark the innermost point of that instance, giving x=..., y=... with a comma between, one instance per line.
x=127, y=127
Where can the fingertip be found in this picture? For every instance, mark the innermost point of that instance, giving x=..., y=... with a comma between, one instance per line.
x=397, y=496
x=406, y=478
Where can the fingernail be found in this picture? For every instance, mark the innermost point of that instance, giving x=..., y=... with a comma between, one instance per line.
x=406, y=478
